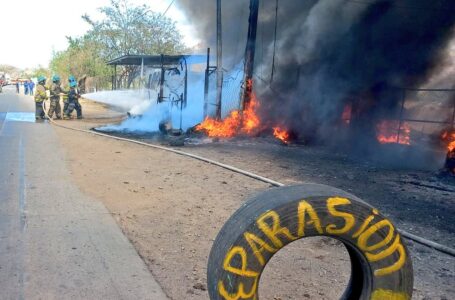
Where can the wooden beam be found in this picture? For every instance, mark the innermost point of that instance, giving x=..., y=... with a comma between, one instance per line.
x=249, y=53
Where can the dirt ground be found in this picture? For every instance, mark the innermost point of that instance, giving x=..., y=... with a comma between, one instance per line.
x=171, y=207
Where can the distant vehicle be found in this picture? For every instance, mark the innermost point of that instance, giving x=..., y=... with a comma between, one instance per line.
x=2, y=82
x=5, y=78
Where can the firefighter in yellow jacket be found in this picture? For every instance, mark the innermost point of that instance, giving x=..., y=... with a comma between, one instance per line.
x=55, y=92
x=40, y=97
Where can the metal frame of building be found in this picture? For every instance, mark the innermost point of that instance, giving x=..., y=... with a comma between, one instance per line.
x=162, y=62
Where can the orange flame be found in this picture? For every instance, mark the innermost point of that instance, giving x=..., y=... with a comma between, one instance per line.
x=225, y=128
x=234, y=123
x=449, y=137
x=246, y=122
x=281, y=134
x=387, y=132
x=451, y=146
x=251, y=119
x=346, y=115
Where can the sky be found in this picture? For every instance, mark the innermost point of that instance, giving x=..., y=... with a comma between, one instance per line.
x=31, y=30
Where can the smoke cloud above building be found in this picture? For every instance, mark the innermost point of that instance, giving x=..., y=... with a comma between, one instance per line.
x=327, y=53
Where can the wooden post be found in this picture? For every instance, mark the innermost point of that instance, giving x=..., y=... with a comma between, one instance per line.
x=219, y=61
x=249, y=53
x=453, y=115
x=274, y=43
x=401, y=116
x=185, y=91
x=161, y=95
x=115, y=77
x=206, y=84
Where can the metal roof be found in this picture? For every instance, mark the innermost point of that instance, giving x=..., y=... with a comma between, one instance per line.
x=153, y=60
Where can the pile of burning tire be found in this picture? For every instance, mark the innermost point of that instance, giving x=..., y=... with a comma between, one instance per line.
x=448, y=137
x=450, y=162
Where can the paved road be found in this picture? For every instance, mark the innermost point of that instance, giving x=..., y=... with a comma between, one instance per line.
x=55, y=242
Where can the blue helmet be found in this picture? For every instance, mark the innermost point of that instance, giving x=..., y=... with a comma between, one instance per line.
x=72, y=78
x=41, y=78
x=73, y=84
x=55, y=78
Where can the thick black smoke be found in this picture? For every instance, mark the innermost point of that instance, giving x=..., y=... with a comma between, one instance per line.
x=331, y=52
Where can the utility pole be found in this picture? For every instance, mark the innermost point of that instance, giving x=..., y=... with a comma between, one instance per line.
x=219, y=61
x=274, y=43
x=249, y=53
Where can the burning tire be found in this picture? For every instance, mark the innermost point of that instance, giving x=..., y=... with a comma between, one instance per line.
x=380, y=263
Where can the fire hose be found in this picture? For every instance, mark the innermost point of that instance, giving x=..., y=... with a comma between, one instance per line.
x=410, y=236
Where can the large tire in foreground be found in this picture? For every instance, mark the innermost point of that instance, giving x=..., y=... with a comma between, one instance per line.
x=380, y=263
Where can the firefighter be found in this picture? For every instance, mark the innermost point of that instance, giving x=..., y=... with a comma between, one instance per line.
x=72, y=99
x=40, y=96
x=65, y=97
x=55, y=92
x=81, y=90
x=72, y=82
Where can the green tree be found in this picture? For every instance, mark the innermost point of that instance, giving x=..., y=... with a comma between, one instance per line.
x=82, y=57
x=40, y=70
x=127, y=29
x=11, y=70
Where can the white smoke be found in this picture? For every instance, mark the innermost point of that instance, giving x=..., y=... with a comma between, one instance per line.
x=146, y=122
x=132, y=101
